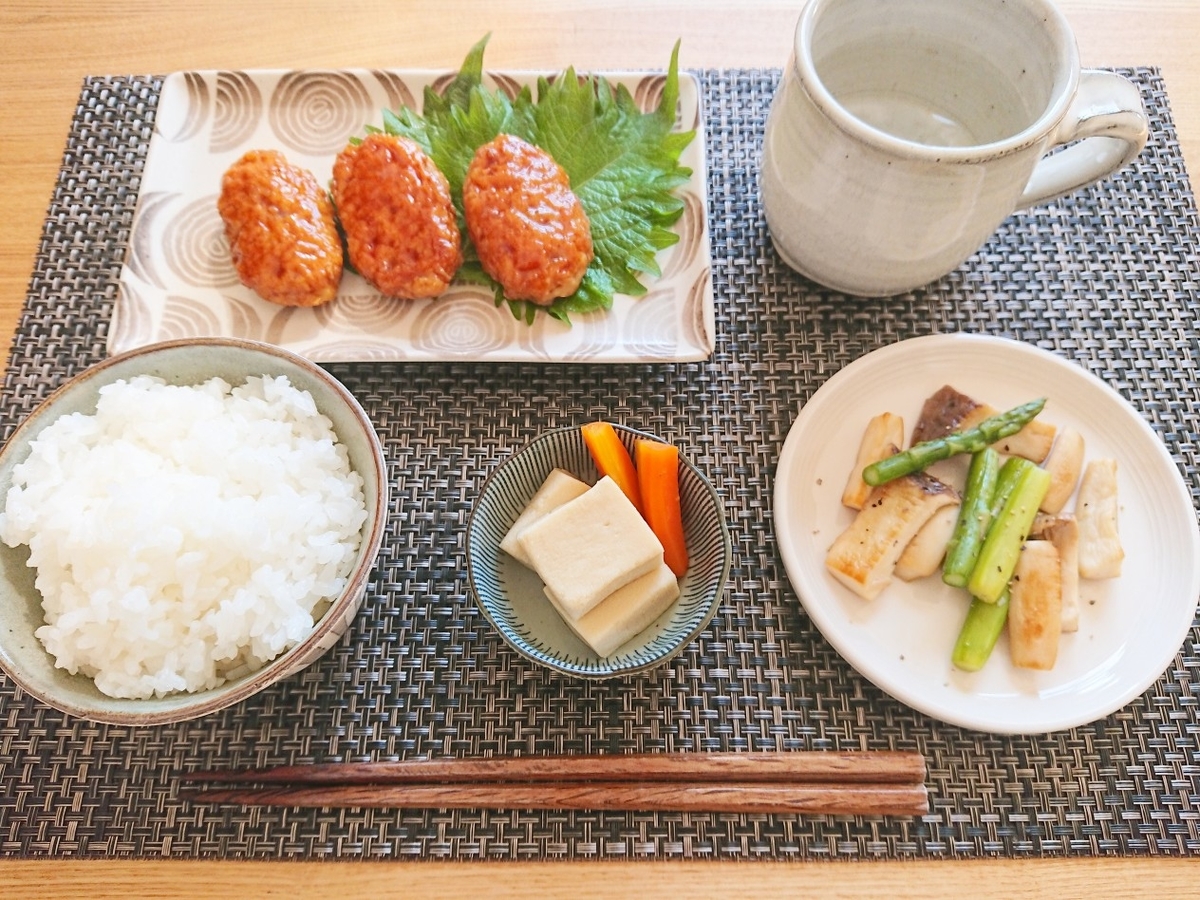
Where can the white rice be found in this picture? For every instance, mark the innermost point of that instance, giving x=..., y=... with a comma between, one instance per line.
x=184, y=535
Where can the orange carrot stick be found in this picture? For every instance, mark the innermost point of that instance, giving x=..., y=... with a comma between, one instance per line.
x=612, y=459
x=658, y=478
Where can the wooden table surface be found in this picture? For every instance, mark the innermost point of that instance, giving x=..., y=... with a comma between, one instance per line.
x=49, y=48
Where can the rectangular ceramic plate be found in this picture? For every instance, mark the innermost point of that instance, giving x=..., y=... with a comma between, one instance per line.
x=178, y=282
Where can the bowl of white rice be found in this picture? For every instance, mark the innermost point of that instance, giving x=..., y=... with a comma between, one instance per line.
x=182, y=526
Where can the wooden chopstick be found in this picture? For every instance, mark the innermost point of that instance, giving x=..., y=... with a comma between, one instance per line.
x=805, y=782
x=855, y=767
x=638, y=796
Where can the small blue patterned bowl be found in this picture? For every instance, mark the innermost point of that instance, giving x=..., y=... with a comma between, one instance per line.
x=510, y=595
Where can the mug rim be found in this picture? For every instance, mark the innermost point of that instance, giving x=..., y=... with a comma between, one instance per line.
x=1067, y=60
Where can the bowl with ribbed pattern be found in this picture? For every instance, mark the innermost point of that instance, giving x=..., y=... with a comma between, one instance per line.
x=511, y=597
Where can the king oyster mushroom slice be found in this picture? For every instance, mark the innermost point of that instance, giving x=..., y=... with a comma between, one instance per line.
x=927, y=549
x=1096, y=508
x=882, y=437
x=864, y=556
x=1064, y=464
x=1063, y=532
x=1035, y=607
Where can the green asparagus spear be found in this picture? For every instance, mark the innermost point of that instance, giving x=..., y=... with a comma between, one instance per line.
x=974, y=517
x=980, y=631
x=1010, y=474
x=1002, y=546
x=924, y=454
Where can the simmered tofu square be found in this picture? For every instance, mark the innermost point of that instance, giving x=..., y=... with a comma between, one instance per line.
x=591, y=546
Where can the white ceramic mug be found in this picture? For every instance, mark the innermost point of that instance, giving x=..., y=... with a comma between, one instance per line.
x=904, y=132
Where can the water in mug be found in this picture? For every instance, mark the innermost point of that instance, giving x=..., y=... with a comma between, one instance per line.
x=910, y=118
x=939, y=95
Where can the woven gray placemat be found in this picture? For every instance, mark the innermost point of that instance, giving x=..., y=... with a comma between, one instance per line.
x=1107, y=278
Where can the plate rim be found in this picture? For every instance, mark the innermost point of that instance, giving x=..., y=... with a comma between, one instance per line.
x=921, y=700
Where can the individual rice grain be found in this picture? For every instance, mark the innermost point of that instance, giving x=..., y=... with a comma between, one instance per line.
x=184, y=535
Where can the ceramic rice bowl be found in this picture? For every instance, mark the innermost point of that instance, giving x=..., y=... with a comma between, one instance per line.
x=22, y=656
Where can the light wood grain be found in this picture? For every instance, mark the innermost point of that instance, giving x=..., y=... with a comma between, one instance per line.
x=1112, y=879
x=49, y=48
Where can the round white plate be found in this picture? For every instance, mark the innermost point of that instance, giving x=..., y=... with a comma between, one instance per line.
x=1130, y=628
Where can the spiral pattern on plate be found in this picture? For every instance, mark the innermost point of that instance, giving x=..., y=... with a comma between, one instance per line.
x=277, y=326
x=367, y=312
x=187, y=126
x=395, y=89
x=132, y=322
x=693, y=317
x=194, y=246
x=691, y=244
x=184, y=317
x=244, y=320
x=358, y=349
x=598, y=334
x=648, y=92
x=237, y=113
x=142, y=258
x=439, y=84
x=465, y=325
x=315, y=113
x=506, y=84
x=649, y=327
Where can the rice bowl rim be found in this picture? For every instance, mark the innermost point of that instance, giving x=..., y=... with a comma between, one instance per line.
x=173, y=361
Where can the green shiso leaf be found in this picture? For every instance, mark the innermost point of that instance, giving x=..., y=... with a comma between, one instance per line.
x=623, y=165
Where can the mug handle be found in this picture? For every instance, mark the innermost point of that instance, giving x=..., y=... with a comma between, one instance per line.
x=1109, y=123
